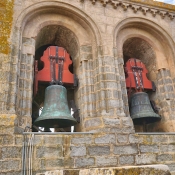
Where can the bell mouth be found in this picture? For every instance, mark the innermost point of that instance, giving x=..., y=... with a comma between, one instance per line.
x=141, y=110
x=56, y=123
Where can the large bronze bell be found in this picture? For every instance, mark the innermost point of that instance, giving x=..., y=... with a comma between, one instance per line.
x=55, y=113
x=141, y=110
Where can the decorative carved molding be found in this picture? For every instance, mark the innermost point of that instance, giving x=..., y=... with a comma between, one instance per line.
x=136, y=7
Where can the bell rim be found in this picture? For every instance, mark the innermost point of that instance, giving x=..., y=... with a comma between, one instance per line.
x=55, y=122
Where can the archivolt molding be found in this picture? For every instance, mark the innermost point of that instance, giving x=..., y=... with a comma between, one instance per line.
x=33, y=10
x=137, y=7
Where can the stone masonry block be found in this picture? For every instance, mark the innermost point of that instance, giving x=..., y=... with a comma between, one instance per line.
x=106, y=161
x=81, y=140
x=48, y=152
x=149, y=148
x=11, y=152
x=159, y=139
x=109, y=138
x=9, y=165
x=122, y=138
x=93, y=122
x=84, y=162
x=126, y=149
x=167, y=148
x=50, y=140
x=171, y=138
x=127, y=121
x=133, y=138
x=165, y=157
x=98, y=150
x=6, y=139
x=126, y=160
x=78, y=151
x=111, y=121
x=145, y=159
x=46, y=163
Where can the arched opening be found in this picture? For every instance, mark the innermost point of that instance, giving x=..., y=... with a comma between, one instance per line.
x=140, y=49
x=54, y=35
x=138, y=37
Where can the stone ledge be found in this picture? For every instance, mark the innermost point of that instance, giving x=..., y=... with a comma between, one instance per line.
x=136, y=170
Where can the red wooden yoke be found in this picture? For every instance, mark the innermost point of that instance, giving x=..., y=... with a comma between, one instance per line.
x=56, y=68
x=136, y=77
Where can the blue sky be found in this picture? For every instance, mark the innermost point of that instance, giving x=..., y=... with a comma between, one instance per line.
x=167, y=1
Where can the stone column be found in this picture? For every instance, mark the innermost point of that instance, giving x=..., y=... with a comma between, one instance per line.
x=109, y=109
x=25, y=85
x=164, y=98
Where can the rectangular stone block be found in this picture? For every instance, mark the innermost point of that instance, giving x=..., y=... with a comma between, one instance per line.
x=145, y=159
x=149, y=148
x=98, y=150
x=111, y=121
x=53, y=140
x=106, y=161
x=77, y=151
x=122, y=138
x=81, y=140
x=51, y=163
x=165, y=157
x=11, y=152
x=9, y=165
x=159, y=139
x=133, y=138
x=126, y=149
x=109, y=138
x=84, y=162
x=6, y=139
x=94, y=122
x=167, y=148
x=126, y=160
x=48, y=152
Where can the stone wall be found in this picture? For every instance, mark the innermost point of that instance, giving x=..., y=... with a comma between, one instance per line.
x=79, y=151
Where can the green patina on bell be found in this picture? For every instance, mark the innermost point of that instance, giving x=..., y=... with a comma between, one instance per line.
x=55, y=113
x=141, y=110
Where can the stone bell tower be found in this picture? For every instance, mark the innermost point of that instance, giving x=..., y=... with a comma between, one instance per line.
x=100, y=36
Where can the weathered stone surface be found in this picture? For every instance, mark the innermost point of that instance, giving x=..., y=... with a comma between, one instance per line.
x=77, y=151
x=98, y=150
x=126, y=160
x=81, y=140
x=145, y=159
x=149, y=148
x=84, y=162
x=11, y=152
x=136, y=170
x=126, y=149
x=111, y=121
x=52, y=140
x=106, y=161
x=165, y=157
x=48, y=152
x=122, y=138
x=109, y=138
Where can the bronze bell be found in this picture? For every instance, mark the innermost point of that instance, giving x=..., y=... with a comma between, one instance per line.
x=141, y=110
x=55, y=113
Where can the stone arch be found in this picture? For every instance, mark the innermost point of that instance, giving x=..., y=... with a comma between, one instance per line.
x=141, y=35
x=150, y=32
x=29, y=23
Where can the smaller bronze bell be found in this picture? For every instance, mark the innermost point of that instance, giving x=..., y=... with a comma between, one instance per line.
x=55, y=113
x=141, y=110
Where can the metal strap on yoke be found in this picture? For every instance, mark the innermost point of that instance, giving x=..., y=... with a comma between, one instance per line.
x=53, y=61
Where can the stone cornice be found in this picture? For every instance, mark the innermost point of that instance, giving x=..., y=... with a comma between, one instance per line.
x=147, y=6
